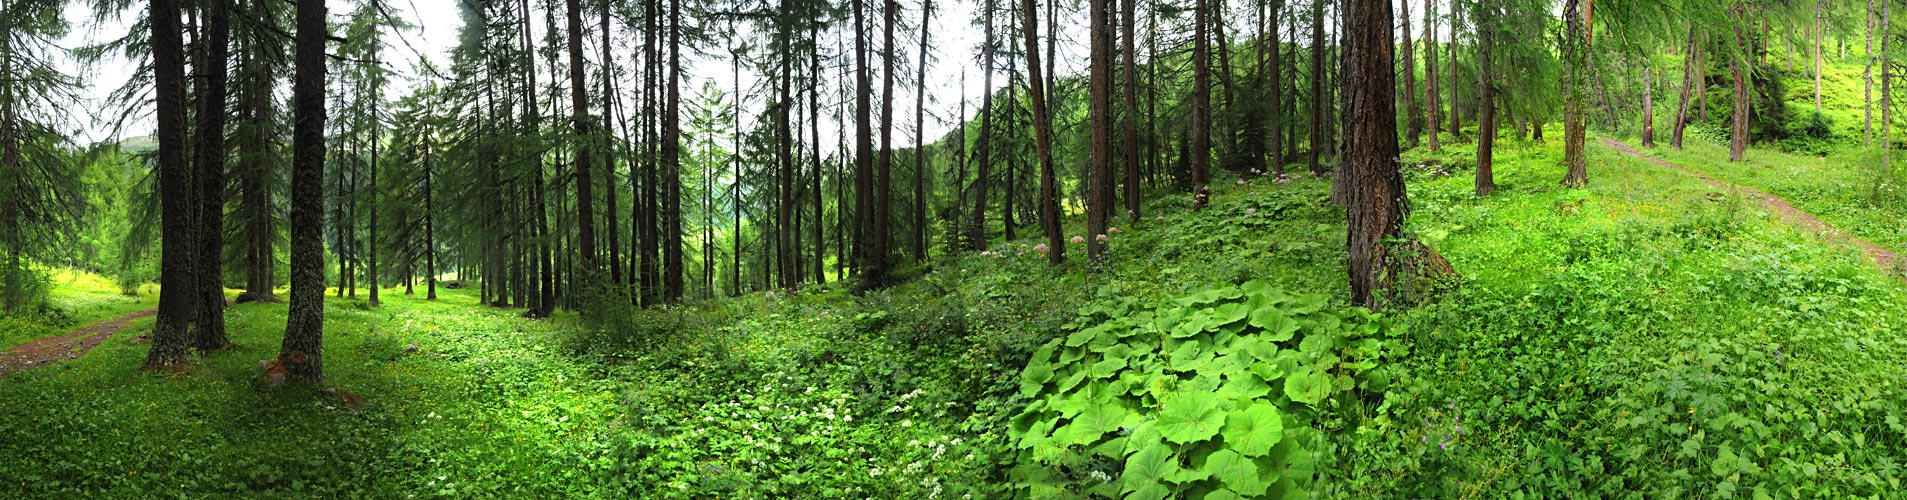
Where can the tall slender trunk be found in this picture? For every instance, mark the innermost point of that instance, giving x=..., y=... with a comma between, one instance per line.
x=1820, y=8
x=1201, y=103
x=373, y=272
x=977, y=233
x=613, y=236
x=1318, y=99
x=814, y=129
x=1689, y=64
x=430, y=225
x=1867, y=77
x=785, y=213
x=1648, y=105
x=920, y=130
x=1486, y=98
x=1099, y=206
x=301, y=354
x=863, y=155
x=1414, y=120
x=1738, y=135
x=1042, y=137
x=671, y=194
x=1431, y=106
x=1129, y=123
x=579, y=119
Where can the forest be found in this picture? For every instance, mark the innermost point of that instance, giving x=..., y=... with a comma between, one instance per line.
x=1135, y=249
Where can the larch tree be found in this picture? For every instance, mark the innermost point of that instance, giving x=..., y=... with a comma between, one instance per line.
x=582, y=145
x=178, y=287
x=1376, y=203
x=41, y=194
x=1575, y=42
x=1431, y=106
x=1485, y=15
x=1129, y=118
x=1200, y=147
x=301, y=354
x=1099, y=203
x=982, y=145
x=208, y=328
x=1042, y=136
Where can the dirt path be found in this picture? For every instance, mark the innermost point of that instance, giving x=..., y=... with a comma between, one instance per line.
x=63, y=347
x=1884, y=258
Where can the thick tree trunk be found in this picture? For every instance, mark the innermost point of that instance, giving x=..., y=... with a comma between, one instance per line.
x=178, y=286
x=301, y=354
x=1376, y=203
x=1042, y=136
x=208, y=332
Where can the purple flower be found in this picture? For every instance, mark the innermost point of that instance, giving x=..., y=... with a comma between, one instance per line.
x=1112, y=230
x=1444, y=446
x=1101, y=238
x=1079, y=239
x=1041, y=248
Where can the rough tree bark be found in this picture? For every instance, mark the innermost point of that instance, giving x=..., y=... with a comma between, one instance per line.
x=1431, y=106
x=1690, y=63
x=208, y=329
x=1099, y=205
x=1043, y=140
x=301, y=354
x=177, y=284
x=1376, y=201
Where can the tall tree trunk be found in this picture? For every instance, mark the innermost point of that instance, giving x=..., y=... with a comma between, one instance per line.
x=882, y=221
x=579, y=119
x=1887, y=92
x=1486, y=97
x=1738, y=134
x=863, y=155
x=814, y=129
x=650, y=225
x=785, y=205
x=1576, y=39
x=1129, y=123
x=1376, y=203
x=1099, y=206
x=1690, y=63
x=178, y=285
x=430, y=226
x=920, y=122
x=1318, y=99
x=977, y=233
x=1648, y=104
x=301, y=354
x=671, y=194
x=208, y=333
x=1042, y=136
x=613, y=236
x=1201, y=103
x=1867, y=77
x=1819, y=25
x=1414, y=120
x=1431, y=106
x=256, y=165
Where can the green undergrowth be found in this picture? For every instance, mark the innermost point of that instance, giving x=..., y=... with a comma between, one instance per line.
x=1647, y=337
x=1845, y=188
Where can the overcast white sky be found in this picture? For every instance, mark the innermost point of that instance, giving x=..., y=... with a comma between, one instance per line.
x=954, y=43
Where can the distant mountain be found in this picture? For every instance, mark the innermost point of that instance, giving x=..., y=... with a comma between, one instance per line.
x=139, y=144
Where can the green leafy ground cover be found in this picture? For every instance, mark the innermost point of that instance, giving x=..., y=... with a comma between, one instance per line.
x=74, y=299
x=1647, y=337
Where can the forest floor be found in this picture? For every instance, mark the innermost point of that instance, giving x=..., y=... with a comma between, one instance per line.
x=1886, y=259
x=1652, y=335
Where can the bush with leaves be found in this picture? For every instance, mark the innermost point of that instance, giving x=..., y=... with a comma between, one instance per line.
x=1210, y=395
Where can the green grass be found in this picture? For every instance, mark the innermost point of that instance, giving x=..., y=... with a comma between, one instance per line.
x=80, y=299
x=1840, y=188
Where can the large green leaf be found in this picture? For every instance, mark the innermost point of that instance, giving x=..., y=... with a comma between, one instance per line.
x=1189, y=357
x=1254, y=430
x=1148, y=467
x=1191, y=416
x=1277, y=327
x=1235, y=471
x=1108, y=367
x=1091, y=424
x=1307, y=386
